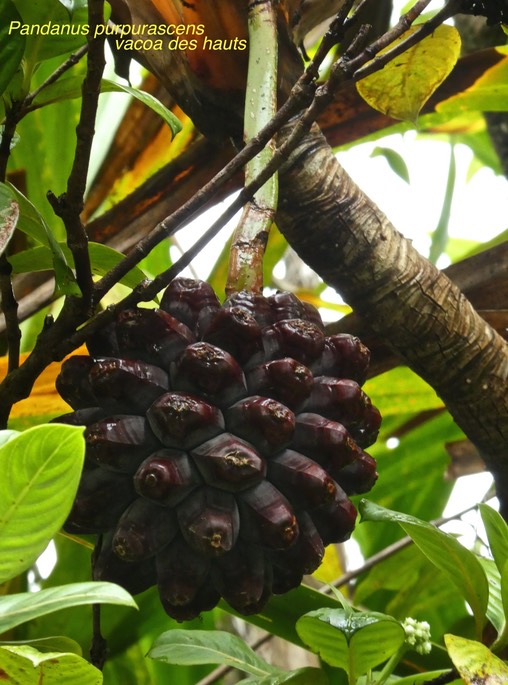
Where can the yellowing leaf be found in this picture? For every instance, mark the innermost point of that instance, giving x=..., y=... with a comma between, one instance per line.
x=475, y=662
x=405, y=84
x=489, y=93
x=44, y=399
x=331, y=566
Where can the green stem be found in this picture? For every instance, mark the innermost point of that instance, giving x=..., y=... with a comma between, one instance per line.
x=251, y=234
x=391, y=664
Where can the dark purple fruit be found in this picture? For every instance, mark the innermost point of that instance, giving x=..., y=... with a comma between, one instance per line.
x=125, y=385
x=73, y=383
x=339, y=399
x=335, y=520
x=267, y=424
x=191, y=302
x=295, y=338
x=119, y=443
x=267, y=517
x=181, y=571
x=185, y=421
x=285, y=380
x=237, y=332
x=167, y=477
x=286, y=305
x=343, y=356
x=102, y=498
x=304, y=557
x=324, y=440
x=221, y=443
x=134, y=576
x=205, y=369
x=240, y=577
x=359, y=476
x=253, y=303
x=81, y=417
x=209, y=521
x=301, y=480
x=229, y=463
x=143, y=530
x=152, y=335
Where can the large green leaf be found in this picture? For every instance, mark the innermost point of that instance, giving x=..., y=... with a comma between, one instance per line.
x=56, y=643
x=40, y=474
x=475, y=663
x=187, y=648
x=26, y=606
x=49, y=29
x=351, y=640
x=26, y=666
x=102, y=259
x=70, y=88
x=12, y=46
x=497, y=534
x=460, y=565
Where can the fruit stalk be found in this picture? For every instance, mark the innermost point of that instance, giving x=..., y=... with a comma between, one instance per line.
x=251, y=234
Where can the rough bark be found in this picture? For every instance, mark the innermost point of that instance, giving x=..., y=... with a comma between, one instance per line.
x=407, y=301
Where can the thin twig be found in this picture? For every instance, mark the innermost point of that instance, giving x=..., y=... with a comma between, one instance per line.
x=10, y=309
x=70, y=205
x=73, y=59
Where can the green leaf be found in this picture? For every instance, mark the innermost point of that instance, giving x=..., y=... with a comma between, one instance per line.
x=191, y=647
x=460, y=565
x=57, y=643
x=12, y=46
x=401, y=391
x=50, y=29
x=149, y=100
x=351, y=640
x=395, y=160
x=102, y=259
x=489, y=93
x=70, y=88
x=497, y=534
x=26, y=666
x=475, y=662
x=301, y=676
x=27, y=606
x=440, y=233
x=405, y=84
x=40, y=474
x=31, y=222
x=426, y=677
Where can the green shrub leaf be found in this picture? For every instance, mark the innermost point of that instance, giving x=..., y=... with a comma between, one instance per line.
x=28, y=666
x=458, y=563
x=351, y=640
x=12, y=46
x=191, y=647
x=26, y=606
x=40, y=474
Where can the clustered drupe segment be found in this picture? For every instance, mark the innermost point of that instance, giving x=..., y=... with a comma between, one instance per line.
x=222, y=444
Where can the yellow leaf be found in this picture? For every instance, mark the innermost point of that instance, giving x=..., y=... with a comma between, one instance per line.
x=475, y=662
x=331, y=566
x=44, y=399
x=405, y=84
